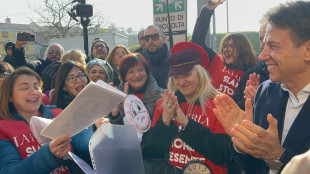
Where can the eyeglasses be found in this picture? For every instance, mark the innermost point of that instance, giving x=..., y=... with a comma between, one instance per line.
x=57, y=52
x=73, y=78
x=2, y=75
x=154, y=37
x=99, y=46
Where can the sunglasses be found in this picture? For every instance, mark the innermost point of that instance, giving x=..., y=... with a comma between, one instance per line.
x=154, y=37
x=58, y=53
x=97, y=61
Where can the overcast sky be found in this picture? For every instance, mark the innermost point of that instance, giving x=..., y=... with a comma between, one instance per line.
x=244, y=15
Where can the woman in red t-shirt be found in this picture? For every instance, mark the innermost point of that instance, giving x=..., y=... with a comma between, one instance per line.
x=185, y=132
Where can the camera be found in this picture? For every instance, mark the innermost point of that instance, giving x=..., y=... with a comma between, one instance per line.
x=83, y=10
x=26, y=37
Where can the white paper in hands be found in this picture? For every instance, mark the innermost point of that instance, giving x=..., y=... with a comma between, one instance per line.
x=94, y=101
x=37, y=124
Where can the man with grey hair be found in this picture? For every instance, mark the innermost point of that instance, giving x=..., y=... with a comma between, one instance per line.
x=54, y=52
x=157, y=52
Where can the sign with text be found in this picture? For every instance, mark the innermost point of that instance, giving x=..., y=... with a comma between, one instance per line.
x=178, y=16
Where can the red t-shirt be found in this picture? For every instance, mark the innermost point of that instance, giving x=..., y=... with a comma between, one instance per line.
x=180, y=152
x=223, y=78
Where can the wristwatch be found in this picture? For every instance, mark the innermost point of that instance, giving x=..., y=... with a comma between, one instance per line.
x=275, y=165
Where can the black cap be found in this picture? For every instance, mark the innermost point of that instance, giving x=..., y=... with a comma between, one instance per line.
x=9, y=44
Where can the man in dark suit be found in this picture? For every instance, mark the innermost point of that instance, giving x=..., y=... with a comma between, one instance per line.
x=280, y=127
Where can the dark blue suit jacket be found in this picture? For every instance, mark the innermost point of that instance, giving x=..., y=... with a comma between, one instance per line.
x=271, y=98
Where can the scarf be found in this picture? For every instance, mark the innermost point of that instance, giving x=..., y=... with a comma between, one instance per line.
x=159, y=65
x=155, y=58
x=64, y=100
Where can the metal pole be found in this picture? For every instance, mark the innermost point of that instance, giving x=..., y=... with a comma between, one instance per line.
x=170, y=30
x=227, y=16
x=214, y=34
x=85, y=21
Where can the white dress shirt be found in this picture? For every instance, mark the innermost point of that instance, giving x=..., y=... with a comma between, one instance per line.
x=293, y=107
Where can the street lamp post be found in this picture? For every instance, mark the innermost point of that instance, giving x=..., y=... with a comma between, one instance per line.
x=227, y=16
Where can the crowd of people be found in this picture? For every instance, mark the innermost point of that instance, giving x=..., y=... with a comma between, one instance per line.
x=227, y=112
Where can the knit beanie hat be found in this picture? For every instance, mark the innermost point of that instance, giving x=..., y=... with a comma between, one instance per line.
x=98, y=40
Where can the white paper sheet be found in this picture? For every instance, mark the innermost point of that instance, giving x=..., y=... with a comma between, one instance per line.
x=93, y=102
x=37, y=124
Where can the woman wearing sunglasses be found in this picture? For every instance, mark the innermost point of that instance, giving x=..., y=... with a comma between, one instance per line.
x=114, y=58
x=99, y=69
x=21, y=98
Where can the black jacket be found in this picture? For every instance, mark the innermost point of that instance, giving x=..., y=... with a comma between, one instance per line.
x=261, y=69
x=159, y=65
x=272, y=99
x=9, y=59
x=20, y=60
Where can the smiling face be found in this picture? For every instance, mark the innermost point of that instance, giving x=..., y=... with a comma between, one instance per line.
x=136, y=76
x=285, y=61
x=74, y=88
x=26, y=95
x=97, y=72
x=230, y=52
x=187, y=83
x=119, y=53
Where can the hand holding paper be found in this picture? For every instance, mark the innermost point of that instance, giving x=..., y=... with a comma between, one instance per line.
x=89, y=105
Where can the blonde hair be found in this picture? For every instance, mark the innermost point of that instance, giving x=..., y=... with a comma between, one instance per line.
x=203, y=93
x=74, y=55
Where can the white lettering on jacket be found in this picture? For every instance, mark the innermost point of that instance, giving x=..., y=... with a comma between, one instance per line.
x=25, y=138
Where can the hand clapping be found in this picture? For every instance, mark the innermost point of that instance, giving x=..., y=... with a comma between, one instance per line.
x=170, y=104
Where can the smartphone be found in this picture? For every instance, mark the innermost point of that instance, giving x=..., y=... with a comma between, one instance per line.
x=30, y=37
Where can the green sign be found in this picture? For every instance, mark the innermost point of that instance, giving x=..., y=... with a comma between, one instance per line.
x=174, y=6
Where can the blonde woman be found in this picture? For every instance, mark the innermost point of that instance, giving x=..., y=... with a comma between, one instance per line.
x=184, y=124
